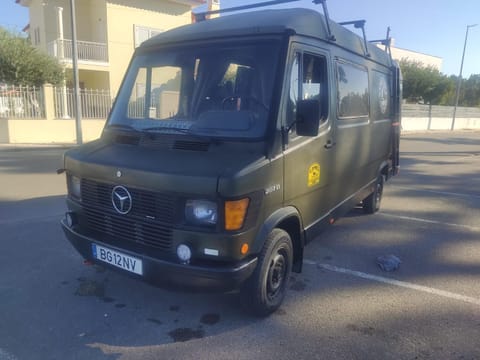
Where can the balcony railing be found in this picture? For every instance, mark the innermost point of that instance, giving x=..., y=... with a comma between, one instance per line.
x=86, y=50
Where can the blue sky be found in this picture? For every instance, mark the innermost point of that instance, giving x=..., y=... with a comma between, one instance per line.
x=434, y=27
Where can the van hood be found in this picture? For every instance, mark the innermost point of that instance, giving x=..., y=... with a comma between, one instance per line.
x=162, y=170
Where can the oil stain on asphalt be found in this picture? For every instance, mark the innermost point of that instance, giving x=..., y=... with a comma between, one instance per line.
x=186, y=334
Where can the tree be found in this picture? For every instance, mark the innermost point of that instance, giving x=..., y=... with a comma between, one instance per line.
x=424, y=83
x=470, y=91
x=22, y=64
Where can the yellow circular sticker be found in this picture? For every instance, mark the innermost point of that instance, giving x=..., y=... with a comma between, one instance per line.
x=313, y=174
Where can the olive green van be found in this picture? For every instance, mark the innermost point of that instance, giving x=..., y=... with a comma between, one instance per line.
x=231, y=144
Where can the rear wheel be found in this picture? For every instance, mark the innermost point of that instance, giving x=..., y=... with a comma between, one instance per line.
x=371, y=204
x=264, y=291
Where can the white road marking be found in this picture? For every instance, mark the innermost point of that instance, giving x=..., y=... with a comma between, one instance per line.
x=426, y=289
x=447, y=193
x=6, y=356
x=410, y=218
x=58, y=216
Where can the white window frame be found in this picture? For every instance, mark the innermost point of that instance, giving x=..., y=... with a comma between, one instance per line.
x=148, y=31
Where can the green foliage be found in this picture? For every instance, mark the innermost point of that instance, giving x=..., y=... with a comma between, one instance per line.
x=22, y=64
x=425, y=84
x=470, y=91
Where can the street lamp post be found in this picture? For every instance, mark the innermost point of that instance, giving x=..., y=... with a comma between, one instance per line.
x=459, y=82
x=78, y=109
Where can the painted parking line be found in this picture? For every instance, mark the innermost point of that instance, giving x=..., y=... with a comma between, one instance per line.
x=446, y=193
x=32, y=219
x=426, y=221
x=389, y=281
x=4, y=355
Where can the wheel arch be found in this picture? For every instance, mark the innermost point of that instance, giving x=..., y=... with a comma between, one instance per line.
x=384, y=170
x=289, y=220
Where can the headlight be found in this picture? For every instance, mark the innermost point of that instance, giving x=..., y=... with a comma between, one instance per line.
x=74, y=186
x=201, y=212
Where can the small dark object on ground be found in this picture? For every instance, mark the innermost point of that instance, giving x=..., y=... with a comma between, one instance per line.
x=388, y=262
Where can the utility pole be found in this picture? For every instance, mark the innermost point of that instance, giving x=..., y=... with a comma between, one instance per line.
x=459, y=82
x=78, y=109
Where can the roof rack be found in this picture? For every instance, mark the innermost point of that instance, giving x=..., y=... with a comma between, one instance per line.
x=387, y=42
x=359, y=24
x=202, y=16
x=331, y=37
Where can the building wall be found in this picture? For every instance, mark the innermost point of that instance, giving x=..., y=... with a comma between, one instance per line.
x=123, y=15
x=94, y=79
x=36, y=13
x=50, y=18
x=427, y=60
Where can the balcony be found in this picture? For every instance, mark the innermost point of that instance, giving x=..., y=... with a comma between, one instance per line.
x=87, y=51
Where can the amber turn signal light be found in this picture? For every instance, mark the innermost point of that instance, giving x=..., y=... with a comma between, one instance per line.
x=235, y=212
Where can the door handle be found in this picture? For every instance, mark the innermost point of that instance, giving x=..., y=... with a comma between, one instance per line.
x=329, y=144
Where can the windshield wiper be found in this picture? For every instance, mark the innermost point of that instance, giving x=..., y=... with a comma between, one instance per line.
x=168, y=128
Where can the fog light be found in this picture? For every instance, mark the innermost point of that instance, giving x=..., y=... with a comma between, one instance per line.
x=70, y=219
x=184, y=253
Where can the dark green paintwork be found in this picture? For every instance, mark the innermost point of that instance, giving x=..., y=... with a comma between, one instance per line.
x=275, y=170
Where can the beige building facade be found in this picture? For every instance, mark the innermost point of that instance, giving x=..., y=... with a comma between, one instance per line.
x=427, y=60
x=108, y=31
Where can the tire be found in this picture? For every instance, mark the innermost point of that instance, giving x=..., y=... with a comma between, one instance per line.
x=264, y=291
x=371, y=204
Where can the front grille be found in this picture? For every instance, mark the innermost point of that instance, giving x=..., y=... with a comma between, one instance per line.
x=149, y=222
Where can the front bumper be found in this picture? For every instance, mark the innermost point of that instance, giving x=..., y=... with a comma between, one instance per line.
x=168, y=274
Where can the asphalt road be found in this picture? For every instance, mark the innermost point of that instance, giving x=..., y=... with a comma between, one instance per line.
x=343, y=306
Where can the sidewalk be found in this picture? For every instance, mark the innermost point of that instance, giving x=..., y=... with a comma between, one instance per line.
x=22, y=147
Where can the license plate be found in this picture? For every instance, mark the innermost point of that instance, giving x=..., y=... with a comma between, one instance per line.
x=122, y=261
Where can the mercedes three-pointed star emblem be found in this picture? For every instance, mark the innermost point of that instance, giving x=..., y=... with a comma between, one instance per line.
x=121, y=200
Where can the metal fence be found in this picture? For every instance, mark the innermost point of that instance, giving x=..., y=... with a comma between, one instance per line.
x=21, y=102
x=437, y=111
x=95, y=104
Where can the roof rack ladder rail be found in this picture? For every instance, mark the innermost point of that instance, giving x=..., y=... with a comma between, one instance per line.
x=359, y=24
x=331, y=37
x=388, y=49
x=387, y=42
x=203, y=15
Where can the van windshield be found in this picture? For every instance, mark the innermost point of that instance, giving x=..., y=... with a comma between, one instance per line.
x=222, y=90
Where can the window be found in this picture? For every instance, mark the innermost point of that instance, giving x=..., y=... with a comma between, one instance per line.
x=353, y=96
x=308, y=80
x=381, y=96
x=142, y=33
x=36, y=36
x=220, y=90
x=163, y=95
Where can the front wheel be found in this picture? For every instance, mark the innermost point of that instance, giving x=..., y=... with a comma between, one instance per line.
x=264, y=291
x=371, y=204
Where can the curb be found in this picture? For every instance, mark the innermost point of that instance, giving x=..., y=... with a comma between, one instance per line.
x=34, y=147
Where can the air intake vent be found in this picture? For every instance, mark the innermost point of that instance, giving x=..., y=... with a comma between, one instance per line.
x=191, y=145
x=127, y=139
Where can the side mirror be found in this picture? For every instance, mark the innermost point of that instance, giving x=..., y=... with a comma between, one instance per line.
x=308, y=117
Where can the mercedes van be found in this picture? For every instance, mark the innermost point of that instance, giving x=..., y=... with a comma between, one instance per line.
x=232, y=142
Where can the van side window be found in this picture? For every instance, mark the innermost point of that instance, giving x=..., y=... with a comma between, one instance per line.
x=308, y=80
x=381, y=96
x=353, y=95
